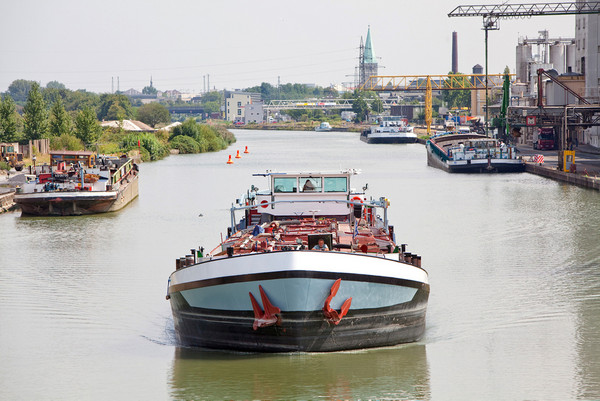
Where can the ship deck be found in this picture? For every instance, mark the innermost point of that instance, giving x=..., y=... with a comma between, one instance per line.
x=304, y=233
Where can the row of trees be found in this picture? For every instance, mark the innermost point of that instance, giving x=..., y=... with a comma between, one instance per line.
x=40, y=122
x=289, y=91
x=54, y=111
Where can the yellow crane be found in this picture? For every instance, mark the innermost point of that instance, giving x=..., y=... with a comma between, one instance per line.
x=429, y=83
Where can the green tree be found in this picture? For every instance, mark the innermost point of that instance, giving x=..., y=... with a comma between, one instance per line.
x=330, y=92
x=149, y=90
x=35, y=114
x=107, y=100
x=153, y=114
x=60, y=121
x=55, y=85
x=80, y=99
x=360, y=107
x=52, y=94
x=116, y=112
x=19, y=89
x=212, y=107
x=377, y=105
x=455, y=98
x=213, y=96
x=8, y=120
x=87, y=127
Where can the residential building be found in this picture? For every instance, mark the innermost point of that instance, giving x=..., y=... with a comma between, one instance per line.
x=235, y=103
x=170, y=94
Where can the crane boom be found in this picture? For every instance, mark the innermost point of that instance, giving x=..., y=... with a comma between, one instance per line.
x=526, y=9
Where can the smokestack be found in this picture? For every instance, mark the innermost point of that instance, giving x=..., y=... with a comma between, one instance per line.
x=454, y=52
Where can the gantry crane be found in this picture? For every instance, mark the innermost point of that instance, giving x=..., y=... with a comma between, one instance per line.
x=491, y=13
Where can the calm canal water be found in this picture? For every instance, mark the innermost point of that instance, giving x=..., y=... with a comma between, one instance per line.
x=513, y=260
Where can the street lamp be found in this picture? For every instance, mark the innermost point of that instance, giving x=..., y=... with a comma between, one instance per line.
x=490, y=23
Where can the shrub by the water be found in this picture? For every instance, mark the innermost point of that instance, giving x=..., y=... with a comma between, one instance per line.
x=208, y=138
x=4, y=166
x=185, y=144
x=155, y=148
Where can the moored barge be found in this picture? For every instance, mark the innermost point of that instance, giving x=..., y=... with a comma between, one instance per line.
x=472, y=153
x=78, y=183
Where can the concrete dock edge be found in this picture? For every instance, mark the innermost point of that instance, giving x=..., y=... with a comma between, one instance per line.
x=7, y=201
x=570, y=178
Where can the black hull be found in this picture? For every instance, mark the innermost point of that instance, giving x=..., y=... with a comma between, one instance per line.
x=67, y=204
x=494, y=166
x=387, y=140
x=301, y=331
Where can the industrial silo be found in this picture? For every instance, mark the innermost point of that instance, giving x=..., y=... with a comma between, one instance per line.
x=524, y=57
x=558, y=57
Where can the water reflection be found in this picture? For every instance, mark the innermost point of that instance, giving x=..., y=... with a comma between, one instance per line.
x=391, y=373
x=582, y=276
x=514, y=263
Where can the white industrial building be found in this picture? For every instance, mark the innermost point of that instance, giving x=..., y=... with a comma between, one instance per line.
x=575, y=62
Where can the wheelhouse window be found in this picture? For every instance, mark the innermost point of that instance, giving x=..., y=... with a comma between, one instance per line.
x=284, y=184
x=311, y=184
x=336, y=184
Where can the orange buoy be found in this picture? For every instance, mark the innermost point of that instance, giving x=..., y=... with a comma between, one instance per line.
x=229, y=161
x=246, y=151
x=238, y=155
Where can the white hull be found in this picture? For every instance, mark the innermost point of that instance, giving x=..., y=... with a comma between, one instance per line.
x=212, y=307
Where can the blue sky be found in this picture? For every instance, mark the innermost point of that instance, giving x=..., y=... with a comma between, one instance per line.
x=83, y=44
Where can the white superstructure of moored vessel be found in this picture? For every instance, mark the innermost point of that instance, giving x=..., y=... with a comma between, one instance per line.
x=391, y=129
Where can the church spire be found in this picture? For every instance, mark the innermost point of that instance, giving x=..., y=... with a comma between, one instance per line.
x=369, y=54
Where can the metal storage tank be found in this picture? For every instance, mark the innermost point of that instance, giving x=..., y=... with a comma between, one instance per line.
x=558, y=57
x=524, y=57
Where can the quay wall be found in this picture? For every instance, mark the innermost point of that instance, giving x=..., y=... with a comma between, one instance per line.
x=570, y=178
x=6, y=201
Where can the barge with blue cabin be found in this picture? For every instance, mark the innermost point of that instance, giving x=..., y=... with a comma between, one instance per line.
x=466, y=152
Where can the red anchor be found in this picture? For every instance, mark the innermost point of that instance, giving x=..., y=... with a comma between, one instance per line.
x=268, y=317
x=331, y=314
